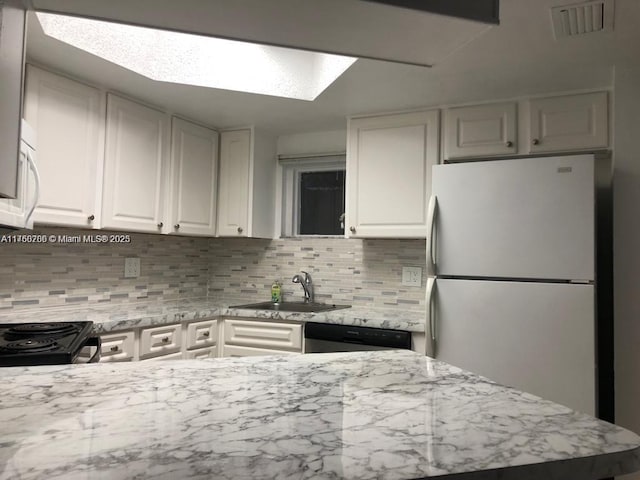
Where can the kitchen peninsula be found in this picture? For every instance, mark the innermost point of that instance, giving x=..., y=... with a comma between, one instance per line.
x=359, y=415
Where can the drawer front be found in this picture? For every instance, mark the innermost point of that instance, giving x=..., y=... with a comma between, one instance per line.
x=157, y=341
x=202, y=334
x=268, y=335
x=171, y=356
x=209, y=352
x=117, y=347
x=243, y=351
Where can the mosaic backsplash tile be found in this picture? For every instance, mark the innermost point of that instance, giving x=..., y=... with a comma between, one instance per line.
x=68, y=273
x=65, y=273
x=352, y=271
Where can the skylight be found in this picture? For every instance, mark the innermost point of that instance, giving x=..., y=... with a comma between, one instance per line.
x=198, y=60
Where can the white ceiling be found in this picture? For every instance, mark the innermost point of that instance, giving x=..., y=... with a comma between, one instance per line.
x=519, y=57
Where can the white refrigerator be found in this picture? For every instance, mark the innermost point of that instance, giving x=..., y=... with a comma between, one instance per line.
x=519, y=285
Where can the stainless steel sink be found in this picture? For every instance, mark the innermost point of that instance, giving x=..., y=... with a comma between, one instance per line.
x=301, y=307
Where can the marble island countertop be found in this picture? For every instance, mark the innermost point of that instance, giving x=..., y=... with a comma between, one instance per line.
x=112, y=317
x=362, y=415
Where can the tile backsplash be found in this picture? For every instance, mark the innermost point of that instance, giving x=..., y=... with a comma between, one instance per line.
x=352, y=271
x=63, y=273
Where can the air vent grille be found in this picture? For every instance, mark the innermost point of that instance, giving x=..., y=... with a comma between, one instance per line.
x=583, y=18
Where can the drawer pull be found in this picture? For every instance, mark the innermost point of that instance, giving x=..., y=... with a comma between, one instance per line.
x=165, y=339
x=114, y=348
x=205, y=334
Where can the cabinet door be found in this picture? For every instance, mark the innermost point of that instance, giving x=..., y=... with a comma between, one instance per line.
x=117, y=347
x=202, y=334
x=389, y=163
x=209, y=352
x=571, y=122
x=481, y=130
x=243, y=351
x=235, y=187
x=194, y=170
x=134, y=166
x=263, y=334
x=170, y=356
x=68, y=119
x=156, y=341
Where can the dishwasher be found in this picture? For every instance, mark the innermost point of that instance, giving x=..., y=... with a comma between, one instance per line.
x=325, y=337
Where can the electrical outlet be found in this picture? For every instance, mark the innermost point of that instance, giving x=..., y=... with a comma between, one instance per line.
x=131, y=267
x=412, y=276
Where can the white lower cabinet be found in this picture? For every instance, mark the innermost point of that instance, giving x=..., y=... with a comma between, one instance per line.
x=201, y=353
x=170, y=356
x=244, y=351
x=263, y=336
x=118, y=346
x=163, y=342
x=157, y=341
x=202, y=334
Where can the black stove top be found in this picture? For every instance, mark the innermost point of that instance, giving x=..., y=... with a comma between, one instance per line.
x=44, y=343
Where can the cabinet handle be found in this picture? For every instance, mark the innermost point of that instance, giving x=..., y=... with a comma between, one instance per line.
x=239, y=229
x=509, y=144
x=353, y=229
x=176, y=226
x=165, y=339
x=91, y=218
x=160, y=225
x=114, y=348
x=205, y=334
x=536, y=141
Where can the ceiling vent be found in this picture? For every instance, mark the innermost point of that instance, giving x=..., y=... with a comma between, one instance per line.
x=589, y=17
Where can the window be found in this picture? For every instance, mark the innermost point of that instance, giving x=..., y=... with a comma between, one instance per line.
x=313, y=196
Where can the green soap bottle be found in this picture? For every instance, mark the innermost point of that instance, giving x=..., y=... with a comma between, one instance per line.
x=276, y=292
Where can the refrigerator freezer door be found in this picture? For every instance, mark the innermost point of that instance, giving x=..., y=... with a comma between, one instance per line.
x=521, y=218
x=536, y=337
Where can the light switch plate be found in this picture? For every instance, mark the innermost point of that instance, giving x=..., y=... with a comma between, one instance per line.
x=131, y=267
x=412, y=276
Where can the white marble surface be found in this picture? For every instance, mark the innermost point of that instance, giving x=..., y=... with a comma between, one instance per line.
x=363, y=415
x=112, y=317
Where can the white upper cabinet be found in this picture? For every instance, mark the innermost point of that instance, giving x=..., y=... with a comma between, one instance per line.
x=194, y=171
x=389, y=160
x=69, y=120
x=246, y=198
x=570, y=122
x=135, y=167
x=482, y=130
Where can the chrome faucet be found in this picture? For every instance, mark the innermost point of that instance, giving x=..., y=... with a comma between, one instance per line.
x=307, y=286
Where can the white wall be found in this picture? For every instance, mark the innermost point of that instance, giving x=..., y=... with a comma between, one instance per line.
x=333, y=141
x=626, y=245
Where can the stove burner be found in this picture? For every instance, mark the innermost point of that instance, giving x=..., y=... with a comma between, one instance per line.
x=30, y=346
x=41, y=329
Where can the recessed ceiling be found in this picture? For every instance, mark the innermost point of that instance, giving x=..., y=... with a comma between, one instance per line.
x=517, y=58
x=198, y=60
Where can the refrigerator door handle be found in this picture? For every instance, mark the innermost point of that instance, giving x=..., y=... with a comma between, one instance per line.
x=430, y=328
x=431, y=225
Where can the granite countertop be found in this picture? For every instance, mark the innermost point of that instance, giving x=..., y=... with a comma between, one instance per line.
x=361, y=415
x=112, y=317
